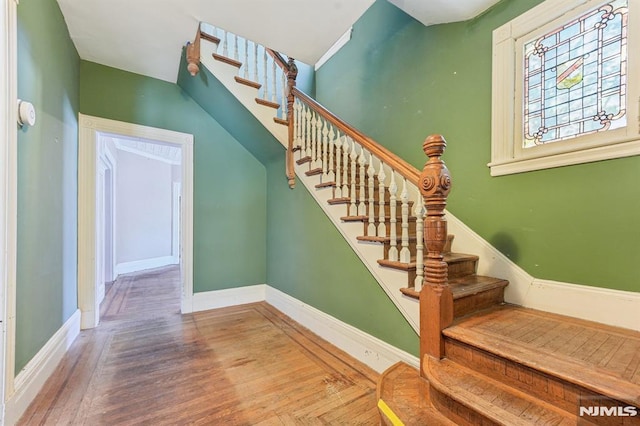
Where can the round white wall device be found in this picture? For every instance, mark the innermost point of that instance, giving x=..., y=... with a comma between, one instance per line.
x=26, y=113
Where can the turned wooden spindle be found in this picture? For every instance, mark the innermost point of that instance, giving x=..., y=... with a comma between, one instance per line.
x=436, y=300
x=292, y=73
x=193, y=55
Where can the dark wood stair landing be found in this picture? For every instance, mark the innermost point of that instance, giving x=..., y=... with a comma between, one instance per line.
x=602, y=359
x=509, y=365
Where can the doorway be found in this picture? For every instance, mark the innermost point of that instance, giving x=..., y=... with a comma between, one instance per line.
x=98, y=259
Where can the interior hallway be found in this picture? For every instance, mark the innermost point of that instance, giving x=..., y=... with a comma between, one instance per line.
x=244, y=365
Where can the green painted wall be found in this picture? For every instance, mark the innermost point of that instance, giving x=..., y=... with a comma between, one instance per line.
x=399, y=81
x=214, y=98
x=229, y=182
x=307, y=257
x=48, y=69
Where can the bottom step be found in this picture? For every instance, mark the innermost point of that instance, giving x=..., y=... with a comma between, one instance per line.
x=471, y=398
x=405, y=397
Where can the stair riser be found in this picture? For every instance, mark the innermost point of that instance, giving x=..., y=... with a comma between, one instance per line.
x=548, y=388
x=459, y=413
x=455, y=270
x=477, y=302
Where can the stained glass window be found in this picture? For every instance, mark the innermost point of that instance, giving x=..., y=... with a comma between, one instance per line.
x=575, y=77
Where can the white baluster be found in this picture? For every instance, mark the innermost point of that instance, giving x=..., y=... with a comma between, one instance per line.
x=362, y=207
x=236, y=54
x=246, y=59
x=303, y=140
x=319, y=162
x=419, y=212
x=296, y=127
x=371, y=172
x=331, y=176
x=307, y=134
x=284, y=96
x=273, y=81
x=255, y=62
x=353, y=208
x=382, y=226
x=265, y=95
x=225, y=49
x=314, y=144
x=405, y=255
x=337, y=193
x=393, y=237
x=325, y=144
x=345, y=169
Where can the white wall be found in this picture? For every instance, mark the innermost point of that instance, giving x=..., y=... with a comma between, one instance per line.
x=143, y=212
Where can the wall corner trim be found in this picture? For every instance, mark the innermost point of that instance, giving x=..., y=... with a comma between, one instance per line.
x=34, y=375
x=207, y=300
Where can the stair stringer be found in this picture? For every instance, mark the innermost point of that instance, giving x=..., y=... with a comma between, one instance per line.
x=226, y=74
x=390, y=280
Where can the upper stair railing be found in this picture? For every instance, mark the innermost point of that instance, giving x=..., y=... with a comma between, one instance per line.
x=399, y=205
x=258, y=66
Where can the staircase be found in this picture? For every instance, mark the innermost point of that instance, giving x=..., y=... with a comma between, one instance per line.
x=482, y=361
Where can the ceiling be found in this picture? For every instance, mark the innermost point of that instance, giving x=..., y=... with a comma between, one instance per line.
x=146, y=36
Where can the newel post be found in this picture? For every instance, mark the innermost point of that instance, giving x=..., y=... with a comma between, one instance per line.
x=292, y=73
x=193, y=55
x=436, y=300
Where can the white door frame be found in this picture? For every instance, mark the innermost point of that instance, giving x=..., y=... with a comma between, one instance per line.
x=176, y=196
x=109, y=160
x=105, y=175
x=8, y=197
x=90, y=129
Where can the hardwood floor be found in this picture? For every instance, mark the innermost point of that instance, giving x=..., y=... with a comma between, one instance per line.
x=244, y=365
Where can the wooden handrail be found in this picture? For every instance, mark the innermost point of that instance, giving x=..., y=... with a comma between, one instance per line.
x=279, y=60
x=387, y=157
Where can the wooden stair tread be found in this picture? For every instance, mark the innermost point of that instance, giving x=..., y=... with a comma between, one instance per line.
x=374, y=239
x=386, y=218
x=266, y=103
x=473, y=284
x=406, y=394
x=209, y=37
x=325, y=185
x=490, y=398
x=341, y=200
x=411, y=266
x=303, y=160
x=246, y=82
x=466, y=286
x=598, y=357
x=313, y=172
x=227, y=60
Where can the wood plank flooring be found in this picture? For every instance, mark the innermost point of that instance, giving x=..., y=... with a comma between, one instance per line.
x=244, y=365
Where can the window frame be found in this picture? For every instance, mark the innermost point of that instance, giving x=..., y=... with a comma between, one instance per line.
x=507, y=156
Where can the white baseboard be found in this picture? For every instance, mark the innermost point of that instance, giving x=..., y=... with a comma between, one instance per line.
x=228, y=297
x=141, y=265
x=612, y=307
x=33, y=376
x=606, y=306
x=366, y=348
